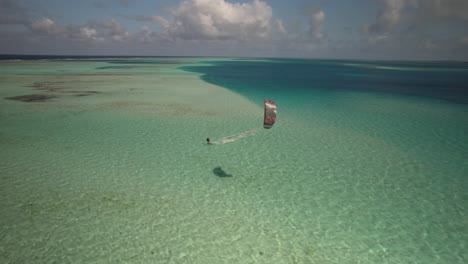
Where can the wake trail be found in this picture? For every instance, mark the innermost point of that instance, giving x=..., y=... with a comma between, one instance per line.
x=235, y=137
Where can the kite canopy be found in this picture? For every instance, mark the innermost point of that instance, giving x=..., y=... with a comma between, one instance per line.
x=270, y=114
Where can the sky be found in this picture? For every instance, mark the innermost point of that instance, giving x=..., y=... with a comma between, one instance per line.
x=334, y=29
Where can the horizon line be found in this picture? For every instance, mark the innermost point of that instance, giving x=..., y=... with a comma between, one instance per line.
x=65, y=56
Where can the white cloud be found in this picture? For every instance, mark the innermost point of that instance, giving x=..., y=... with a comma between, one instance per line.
x=280, y=26
x=164, y=22
x=146, y=35
x=112, y=29
x=87, y=33
x=423, y=13
x=91, y=31
x=316, y=24
x=415, y=21
x=43, y=24
x=303, y=36
x=218, y=20
x=376, y=39
x=388, y=17
x=48, y=26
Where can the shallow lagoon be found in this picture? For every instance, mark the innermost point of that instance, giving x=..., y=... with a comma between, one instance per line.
x=113, y=168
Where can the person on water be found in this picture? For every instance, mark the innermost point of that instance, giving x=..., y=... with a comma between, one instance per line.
x=208, y=141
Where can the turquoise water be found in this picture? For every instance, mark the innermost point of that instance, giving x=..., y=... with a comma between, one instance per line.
x=366, y=164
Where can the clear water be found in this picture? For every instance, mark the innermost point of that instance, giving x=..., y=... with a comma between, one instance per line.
x=367, y=163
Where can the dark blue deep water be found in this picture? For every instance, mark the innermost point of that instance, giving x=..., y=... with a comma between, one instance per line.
x=437, y=80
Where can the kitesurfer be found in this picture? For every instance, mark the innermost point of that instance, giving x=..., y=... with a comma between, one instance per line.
x=208, y=141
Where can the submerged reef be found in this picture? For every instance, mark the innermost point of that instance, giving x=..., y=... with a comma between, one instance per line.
x=31, y=98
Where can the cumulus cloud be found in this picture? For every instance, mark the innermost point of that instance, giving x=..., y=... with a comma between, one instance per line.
x=280, y=26
x=48, y=26
x=416, y=28
x=91, y=31
x=387, y=19
x=88, y=33
x=302, y=36
x=423, y=13
x=316, y=20
x=163, y=22
x=146, y=35
x=218, y=20
x=114, y=30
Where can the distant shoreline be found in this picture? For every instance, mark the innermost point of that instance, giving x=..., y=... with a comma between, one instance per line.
x=6, y=57
x=64, y=57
